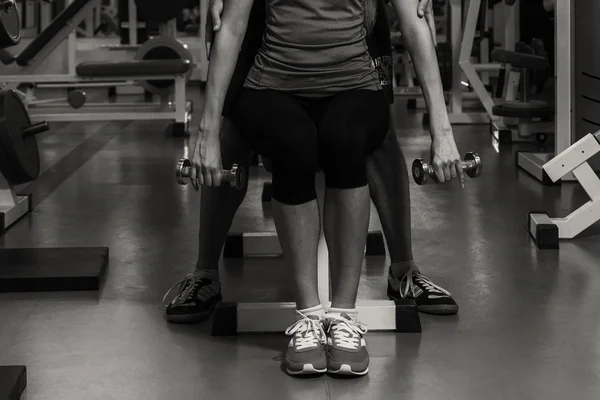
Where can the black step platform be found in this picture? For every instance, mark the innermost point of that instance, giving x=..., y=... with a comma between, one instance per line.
x=52, y=269
x=13, y=380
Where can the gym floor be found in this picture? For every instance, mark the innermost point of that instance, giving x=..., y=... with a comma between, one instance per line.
x=528, y=325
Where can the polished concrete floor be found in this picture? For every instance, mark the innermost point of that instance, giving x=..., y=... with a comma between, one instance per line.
x=528, y=326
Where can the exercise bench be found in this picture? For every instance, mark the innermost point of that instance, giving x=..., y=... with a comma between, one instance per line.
x=547, y=231
x=260, y=317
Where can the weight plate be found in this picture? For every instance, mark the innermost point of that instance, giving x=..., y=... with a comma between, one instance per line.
x=19, y=155
x=163, y=48
x=10, y=24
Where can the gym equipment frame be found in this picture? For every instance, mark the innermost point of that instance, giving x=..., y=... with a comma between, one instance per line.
x=12, y=206
x=533, y=163
x=462, y=40
x=530, y=128
x=379, y=315
x=107, y=73
x=547, y=231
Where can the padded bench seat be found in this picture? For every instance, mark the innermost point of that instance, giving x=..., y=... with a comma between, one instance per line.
x=519, y=60
x=133, y=68
x=501, y=111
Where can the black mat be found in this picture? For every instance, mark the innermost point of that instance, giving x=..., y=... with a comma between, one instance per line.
x=13, y=380
x=52, y=269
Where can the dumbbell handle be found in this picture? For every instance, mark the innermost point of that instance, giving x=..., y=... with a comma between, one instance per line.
x=226, y=175
x=236, y=176
x=423, y=171
x=465, y=165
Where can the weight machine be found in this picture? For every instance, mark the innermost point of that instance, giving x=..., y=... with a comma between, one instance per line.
x=571, y=161
x=164, y=77
x=23, y=269
x=533, y=163
x=462, y=41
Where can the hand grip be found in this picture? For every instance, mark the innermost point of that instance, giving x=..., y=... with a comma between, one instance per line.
x=236, y=177
x=422, y=171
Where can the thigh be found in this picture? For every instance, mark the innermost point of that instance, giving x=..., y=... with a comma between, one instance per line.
x=354, y=125
x=276, y=126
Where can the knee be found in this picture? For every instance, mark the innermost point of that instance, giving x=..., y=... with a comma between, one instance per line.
x=342, y=157
x=349, y=174
x=344, y=164
x=293, y=186
x=293, y=167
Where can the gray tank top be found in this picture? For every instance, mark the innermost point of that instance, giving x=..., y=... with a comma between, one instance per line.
x=313, y=48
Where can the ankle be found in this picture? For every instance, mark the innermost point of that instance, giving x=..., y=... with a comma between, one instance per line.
x=317, y=311
x=212, y=274
x=336, y=312
x=399, y=269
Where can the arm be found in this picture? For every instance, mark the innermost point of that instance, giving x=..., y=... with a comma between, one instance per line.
x=224, y=54
x=420, y=44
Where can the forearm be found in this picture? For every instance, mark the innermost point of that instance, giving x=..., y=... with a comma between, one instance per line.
x=223, y=58
x=418, y=41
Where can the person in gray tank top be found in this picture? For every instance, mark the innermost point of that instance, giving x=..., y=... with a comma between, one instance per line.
x=313, y=48
x=311, y=100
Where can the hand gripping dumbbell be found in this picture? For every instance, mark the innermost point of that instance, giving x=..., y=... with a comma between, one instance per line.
x=236, y=177
x=423, y=172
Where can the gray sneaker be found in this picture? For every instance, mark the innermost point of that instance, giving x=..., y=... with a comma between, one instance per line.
x=306, y=351
x=346, y=348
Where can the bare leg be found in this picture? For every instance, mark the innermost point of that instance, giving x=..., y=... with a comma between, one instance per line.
x=199, y=292
x=346, y=221
x=218, y=205
x=298, y=228
x=389, y=188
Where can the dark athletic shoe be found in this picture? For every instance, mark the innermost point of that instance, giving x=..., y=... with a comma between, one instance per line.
x=195, y=300
x=346, y=348
x=430, y=298
x=305, y=354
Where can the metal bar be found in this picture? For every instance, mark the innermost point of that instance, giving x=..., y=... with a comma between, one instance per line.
x=66, y=78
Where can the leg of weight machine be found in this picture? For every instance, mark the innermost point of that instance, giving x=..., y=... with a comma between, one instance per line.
x=533, y=163
x=13, y=381
x=458, y=41
x=12, y=206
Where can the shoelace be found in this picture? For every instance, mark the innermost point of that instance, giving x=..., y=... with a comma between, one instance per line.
x=409, y=285
x=347, y=333
x=308, y=332
x=185, y=289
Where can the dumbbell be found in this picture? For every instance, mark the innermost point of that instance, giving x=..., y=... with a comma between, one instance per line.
x=236, y=177
x=422, y=171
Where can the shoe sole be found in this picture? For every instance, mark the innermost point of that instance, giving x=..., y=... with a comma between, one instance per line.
x=307, y=369
x=346, y=370
x=448, y=309
x=189, y=318
x=437, y=309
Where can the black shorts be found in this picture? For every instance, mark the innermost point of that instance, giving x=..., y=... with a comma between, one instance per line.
x=378, y=42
